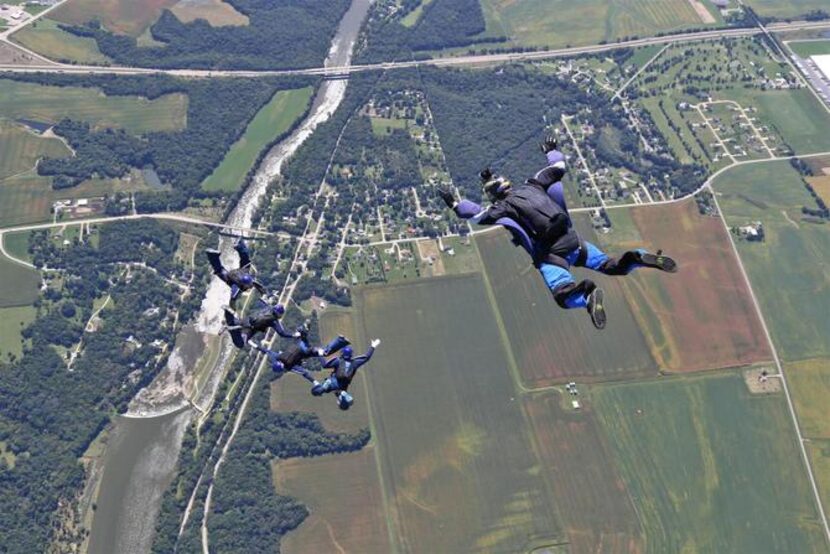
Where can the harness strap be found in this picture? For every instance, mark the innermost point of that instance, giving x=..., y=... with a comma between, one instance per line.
x=582, y=257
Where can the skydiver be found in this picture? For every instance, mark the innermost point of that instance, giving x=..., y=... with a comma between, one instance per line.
x=240, y=280
x=245, y=329
x=292, y=358
x=343, y=369
x=537, y=217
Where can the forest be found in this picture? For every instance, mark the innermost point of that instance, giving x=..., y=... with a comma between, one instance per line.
x=282, y=34
x=49, y=414
x=218, y=113
x=443, y=24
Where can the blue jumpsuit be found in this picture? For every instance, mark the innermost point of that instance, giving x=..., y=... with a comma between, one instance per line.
x=557, y=276
x=343, y=371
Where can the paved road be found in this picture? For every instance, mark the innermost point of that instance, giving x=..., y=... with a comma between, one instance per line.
x=436, y=62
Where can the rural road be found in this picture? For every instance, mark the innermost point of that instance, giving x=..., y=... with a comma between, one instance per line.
x=333, y=71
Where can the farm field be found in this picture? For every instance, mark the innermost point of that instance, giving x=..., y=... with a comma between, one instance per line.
x=786, y=8
x=215, y=12
x=809, y=382
x=20, y=149
x=596, y=508
x=45, y=37
x=19, y=285
x=808, y=48
x=788, y=270
x=51, y=104
x=347, y=514
x=797, y=115
x=711, y=468
x=17, y=245
x=702, y=317
x=28, y=198
x=12, y=321
x=273, y=120
x=560, y=23
x=551, y=344
x=123, y=17
x=819, y=452
x=822, y=186
x=448, y=422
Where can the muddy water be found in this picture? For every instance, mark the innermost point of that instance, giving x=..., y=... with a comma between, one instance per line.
x=141, y=458
x=138, y=468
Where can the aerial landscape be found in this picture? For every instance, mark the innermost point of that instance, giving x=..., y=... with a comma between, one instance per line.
x=195, y=194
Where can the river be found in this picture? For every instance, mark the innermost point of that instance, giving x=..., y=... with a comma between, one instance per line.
x=141, y=455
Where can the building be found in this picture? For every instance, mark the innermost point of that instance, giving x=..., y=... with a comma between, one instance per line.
x=823, y=64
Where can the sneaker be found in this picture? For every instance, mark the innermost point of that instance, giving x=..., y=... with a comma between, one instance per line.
x=658, y=261
x=596, y=308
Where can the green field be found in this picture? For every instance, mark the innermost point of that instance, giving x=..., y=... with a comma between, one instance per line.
x=800, y=118
x=810, y=386
x=786, y=9
x=710, y=468
x=448, y=424
x=413, y=16
x=273, y=120
x=819, y=452
x=551, y=344
x=808, y=48
x=19, y=285
x=215, y=12
x=20, y=149
x=45, y=37
x=560, y=23
x=12, y=321
x=17, y=245
x=788, y=270
x=132, y=113
x=124, y=17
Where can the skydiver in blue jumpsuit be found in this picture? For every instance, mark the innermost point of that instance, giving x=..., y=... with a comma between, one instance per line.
x=343, y=369
x=292, y=358
x=536, y=215
x=240, y=280
x=266, y=317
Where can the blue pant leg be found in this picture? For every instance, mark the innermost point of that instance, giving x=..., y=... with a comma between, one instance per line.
x=600, y=261
x=303, y=372
x=557, y=278
x=335, y=345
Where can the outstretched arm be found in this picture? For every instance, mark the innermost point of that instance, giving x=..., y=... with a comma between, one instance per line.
x=282, y=331
x=360, y=360
x=467, y=209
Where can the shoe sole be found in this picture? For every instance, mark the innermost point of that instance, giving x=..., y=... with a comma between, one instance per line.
x=596, y=309
x=663, y=263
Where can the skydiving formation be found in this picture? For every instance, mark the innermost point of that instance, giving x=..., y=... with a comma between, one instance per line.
x=536, y=215
x=245, y=330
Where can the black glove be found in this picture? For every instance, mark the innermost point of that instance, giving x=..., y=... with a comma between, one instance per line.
x=447, y=197
x=485, y=174
x=549, y=144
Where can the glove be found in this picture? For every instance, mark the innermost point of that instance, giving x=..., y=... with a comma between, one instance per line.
x=485, y=175
x=375, y=343
x=297, y=334
x=320, y=352
x=549, y=144
x=447, y=197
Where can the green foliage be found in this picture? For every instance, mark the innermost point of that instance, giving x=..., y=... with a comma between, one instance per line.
x=283, y=34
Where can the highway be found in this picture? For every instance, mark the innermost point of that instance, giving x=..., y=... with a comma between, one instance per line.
x=457, y=61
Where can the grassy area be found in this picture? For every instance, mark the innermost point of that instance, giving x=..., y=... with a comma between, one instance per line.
x=447, y=426
x=28, y=198
x=12, y=322
x=215, y=12
x=702, y=317
x=384, y=125
x=19, y=285
x=412, y=17
x=789, y=269
x=346, y=514
x=51, y=104
x=710, y=468
x=550, y=344
x=809, y=48
x=597, y=509
x=45, y=37
x=274, y=119
x=21, y=149
x=17, y=245
x=819, y=453
x=124, y=17
x=786, y=9
x=810, y=386
x=798, y=116
x=559, y=23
